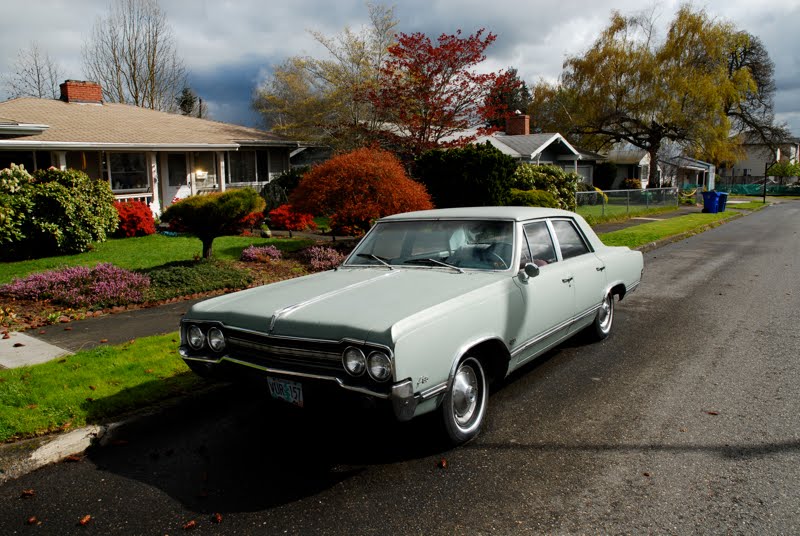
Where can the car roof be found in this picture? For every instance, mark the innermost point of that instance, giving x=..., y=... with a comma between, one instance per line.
x=491, y=213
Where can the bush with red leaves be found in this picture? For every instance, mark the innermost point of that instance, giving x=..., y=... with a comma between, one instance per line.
x=135, y=219
x=285, y=217
x=357, y=188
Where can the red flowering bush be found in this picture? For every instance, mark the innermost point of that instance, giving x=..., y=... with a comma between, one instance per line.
x=254, y=219
x=135, y=219
x=285, y=217
x=357, y=188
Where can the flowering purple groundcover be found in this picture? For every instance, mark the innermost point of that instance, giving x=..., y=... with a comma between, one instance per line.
x=103, y=285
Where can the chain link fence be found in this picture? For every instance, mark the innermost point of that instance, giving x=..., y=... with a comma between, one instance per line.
x=613, y=202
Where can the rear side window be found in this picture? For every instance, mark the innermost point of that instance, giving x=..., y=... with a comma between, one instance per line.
x=541, y=243
x=570, y=241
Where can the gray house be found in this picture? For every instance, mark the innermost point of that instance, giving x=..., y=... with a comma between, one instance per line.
x=145, y=155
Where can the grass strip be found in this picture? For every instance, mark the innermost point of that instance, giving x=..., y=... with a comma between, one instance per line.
x=145, y=252
x=646, y=233
x=91, y=386
x=595, y=214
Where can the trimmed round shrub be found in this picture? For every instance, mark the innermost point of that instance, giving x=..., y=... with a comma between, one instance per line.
x=211, y=215
x=135, y=219
x=532, y=198
x=358, y=187
x=630, y=184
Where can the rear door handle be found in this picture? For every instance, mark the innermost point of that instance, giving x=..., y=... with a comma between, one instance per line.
x=600, y=268
x=567, y=280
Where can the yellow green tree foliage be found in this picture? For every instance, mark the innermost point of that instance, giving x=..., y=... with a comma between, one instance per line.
x=324, y=99
x=633, y=88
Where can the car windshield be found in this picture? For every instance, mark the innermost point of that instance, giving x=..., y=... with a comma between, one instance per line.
x=470, y=244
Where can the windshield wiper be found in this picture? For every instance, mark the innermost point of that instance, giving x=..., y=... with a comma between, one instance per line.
x=375, y=258
x=434, y=261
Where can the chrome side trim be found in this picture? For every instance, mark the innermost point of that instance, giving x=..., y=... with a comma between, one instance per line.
x=633, y=286
x=433, y=391
x=356, y=389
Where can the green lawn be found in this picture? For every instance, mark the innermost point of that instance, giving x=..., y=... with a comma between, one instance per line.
x=91, y=386
x=146, y=252
x=640, y=235
x=595, y=214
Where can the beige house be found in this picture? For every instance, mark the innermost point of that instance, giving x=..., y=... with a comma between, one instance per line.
x=146, y=155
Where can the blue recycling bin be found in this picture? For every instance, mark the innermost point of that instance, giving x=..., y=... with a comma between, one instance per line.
x=711, y=202
x=723, y=201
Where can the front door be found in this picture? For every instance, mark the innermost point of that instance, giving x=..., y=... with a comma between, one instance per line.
x=176, y=178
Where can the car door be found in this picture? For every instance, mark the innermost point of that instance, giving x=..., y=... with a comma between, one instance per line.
x=549, y=299
x=584, y=269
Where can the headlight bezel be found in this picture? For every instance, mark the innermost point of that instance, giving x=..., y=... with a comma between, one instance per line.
x=360, y=360
x=195, y=337
x=382, y=362
x=212, y=336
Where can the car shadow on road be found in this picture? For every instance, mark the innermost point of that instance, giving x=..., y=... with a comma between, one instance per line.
x=235, y=450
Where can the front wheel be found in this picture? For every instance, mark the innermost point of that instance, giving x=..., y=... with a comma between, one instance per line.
x=601, y=328
x=464, y=405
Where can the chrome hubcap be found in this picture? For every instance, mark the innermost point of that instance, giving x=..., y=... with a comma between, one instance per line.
x=606, y=312
x=465, y=394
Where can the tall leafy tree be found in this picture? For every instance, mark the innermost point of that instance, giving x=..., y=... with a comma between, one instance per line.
x=190, y=104
x=508, y=96
x=324, y=98
x=754, y=115
x=132, y=54
x=33, y=74
x=431, y=91
x=631, y=87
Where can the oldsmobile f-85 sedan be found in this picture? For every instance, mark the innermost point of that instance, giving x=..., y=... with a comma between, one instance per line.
x=427, y=311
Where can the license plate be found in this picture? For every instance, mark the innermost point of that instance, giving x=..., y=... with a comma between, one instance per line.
x=291, y=392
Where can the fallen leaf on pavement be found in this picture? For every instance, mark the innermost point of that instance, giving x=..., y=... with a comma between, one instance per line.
x=27, y=493
x=33, y=521
x=84, y=520
x=713, y=412
x=103, y=340
x=73, y=458
x=442, y=464
x=68, y=328
x=18, y=345
x=190, y=525
x=216, y=518
x=7, y=336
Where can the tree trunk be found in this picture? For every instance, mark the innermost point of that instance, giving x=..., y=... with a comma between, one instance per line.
x=652, y=178
x=207, y=247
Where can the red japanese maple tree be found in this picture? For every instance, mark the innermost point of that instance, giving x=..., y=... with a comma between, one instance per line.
x=358, y=187
x=430, y=91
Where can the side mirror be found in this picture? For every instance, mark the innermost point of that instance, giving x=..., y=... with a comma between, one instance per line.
x=530, y=270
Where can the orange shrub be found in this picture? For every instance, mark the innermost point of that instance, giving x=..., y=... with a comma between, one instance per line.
x=358, y=187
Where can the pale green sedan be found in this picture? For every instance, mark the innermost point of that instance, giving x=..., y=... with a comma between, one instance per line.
x=427, y=311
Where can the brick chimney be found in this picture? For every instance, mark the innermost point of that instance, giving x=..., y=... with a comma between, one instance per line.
x=518, y=125
x=80, y=91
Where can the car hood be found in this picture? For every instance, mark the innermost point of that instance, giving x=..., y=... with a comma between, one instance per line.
x=357, y=303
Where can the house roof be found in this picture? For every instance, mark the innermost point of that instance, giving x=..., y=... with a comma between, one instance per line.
x=628, y=156
x=120, y=126
x=528, y=145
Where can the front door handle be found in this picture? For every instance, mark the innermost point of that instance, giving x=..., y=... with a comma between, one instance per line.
x=600, y=268
x=567, y=280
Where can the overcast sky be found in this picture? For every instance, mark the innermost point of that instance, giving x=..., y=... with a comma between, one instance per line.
x=229, y=46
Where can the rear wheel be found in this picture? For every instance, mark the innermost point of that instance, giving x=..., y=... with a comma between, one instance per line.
x=464, y=405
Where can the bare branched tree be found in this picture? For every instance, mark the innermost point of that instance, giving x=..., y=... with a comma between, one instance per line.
x=132, y=54
x=34, y=74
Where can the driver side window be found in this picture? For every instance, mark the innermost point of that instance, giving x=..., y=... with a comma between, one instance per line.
x=541, y=243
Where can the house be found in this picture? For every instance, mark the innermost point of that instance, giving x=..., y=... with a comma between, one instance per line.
x=144, y=154
x=685, y=172
x=756, y=159
x=546, y=148
x=631, y=164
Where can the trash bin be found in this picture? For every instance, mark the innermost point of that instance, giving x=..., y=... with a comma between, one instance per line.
x=723, y=200
x=711, y=202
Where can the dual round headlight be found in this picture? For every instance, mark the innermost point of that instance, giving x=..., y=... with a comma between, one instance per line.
x=196, y=338
x=377, y=365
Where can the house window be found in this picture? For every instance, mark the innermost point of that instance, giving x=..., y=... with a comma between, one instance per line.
x=126, y=171
x=205, y=170
x=242, y=166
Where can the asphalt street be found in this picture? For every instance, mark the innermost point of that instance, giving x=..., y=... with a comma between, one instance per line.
x=684, y=421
